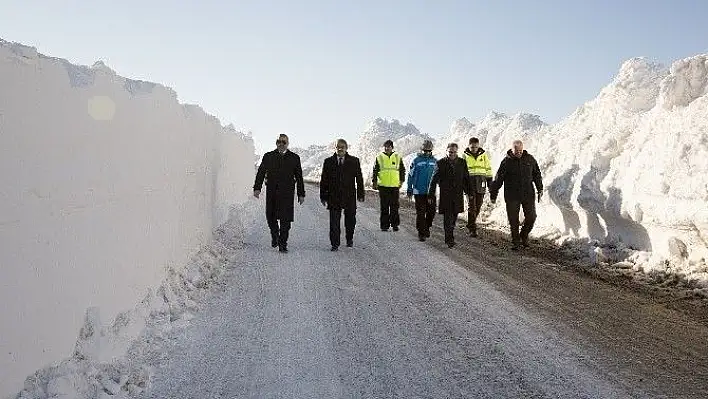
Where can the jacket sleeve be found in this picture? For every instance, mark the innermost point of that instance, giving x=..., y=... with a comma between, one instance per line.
x=261, y=174
x=467, y=186
x=360, y=193
x=488, y=170
x=411, y=174
x=401, y=171
x=375, y=175
x=537, y=180
x=324, y=182
x=298, y=177
x=498, y=180
x=434, y=181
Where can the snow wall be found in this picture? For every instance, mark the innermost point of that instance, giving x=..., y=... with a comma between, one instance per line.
x=105, y=183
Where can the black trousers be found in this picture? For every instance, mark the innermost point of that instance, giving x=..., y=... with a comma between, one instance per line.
x=424, y=214
x=279, y=233
x=475, y=205
x=449, y=220
x=389, y=198
x=335, y=230
x=512, y=212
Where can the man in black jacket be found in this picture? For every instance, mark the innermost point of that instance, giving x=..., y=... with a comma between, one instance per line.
x=338, y=193
x=453, y=178
x=281, y=169
x=519, y=172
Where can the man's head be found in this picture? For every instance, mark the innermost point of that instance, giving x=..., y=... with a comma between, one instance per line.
x=474, y=145
x=427, y=147
x=388, y=147
x=452, y=150
x=518, y=148
x=282, y=142
x=342, y=147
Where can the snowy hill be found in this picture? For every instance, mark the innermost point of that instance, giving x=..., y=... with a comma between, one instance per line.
x=407, y=140
x=312, y=159
x=627, y=170
x=107, y=186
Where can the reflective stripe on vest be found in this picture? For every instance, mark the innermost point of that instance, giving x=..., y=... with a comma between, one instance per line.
x=479, y=166
x=388, y=170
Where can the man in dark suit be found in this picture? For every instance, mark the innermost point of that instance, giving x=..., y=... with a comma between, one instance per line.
x=454, y=180
x=281, y=169
x=338, y=193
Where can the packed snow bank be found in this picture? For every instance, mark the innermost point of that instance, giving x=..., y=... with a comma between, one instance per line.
x=313, y=158
x=407, y=140
x=628, y=171
x=111, y=360
x=106, y=183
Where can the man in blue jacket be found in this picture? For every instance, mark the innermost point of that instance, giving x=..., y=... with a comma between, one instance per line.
x=419, y=175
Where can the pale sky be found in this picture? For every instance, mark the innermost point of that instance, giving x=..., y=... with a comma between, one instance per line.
x=318, y=70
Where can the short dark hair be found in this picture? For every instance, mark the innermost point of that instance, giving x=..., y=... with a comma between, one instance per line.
x=474, y=140
x=342, y=141
x=388, y=143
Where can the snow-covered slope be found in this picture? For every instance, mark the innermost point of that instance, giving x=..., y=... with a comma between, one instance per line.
x=312, y=159
x=105, y=184
x=628, y=169
x=407, y=140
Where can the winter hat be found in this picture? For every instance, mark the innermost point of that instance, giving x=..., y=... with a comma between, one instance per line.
x=427, y=145
x=388, y=143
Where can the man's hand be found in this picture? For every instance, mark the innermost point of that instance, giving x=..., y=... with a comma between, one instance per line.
x=409, y=195
x=540, y=194
x=256, y=193
x=493, y=199
x=432, y=200
x=324, y=202
x=375, y=185
x=300, y=200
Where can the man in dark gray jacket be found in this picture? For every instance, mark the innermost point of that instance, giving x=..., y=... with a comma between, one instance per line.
x=518, y=172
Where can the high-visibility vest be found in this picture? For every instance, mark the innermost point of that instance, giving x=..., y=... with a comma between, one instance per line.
x=479, y=166
x=388, y=170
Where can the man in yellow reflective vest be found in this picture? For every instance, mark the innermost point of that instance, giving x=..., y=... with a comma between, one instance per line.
x=389, y=174
x=480, y=170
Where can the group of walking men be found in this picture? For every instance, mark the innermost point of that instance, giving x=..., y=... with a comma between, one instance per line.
x=342, y=186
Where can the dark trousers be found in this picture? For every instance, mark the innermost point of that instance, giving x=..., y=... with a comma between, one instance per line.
x=279, y=233
x=512, y=212
x=335, y=219
x=424, y=214
x=389, y=198
x=449, y=220
x=475, y=205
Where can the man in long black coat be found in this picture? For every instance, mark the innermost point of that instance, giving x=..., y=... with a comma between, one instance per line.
x=518, y=172
x=452, y=176
x=338, y=192
x=281, y=169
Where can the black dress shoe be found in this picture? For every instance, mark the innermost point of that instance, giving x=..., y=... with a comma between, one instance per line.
x=451, y=244
x=395, y=228
x=350, y=244
x=333, y=249
x=421, y=238
x=274, y=242
x=283, y=249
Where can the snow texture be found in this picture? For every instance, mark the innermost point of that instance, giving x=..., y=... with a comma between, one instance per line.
x=108, y=187
x=625, y=175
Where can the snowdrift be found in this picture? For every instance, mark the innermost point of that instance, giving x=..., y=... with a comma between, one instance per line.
x=106, y=183
x=627, y=172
